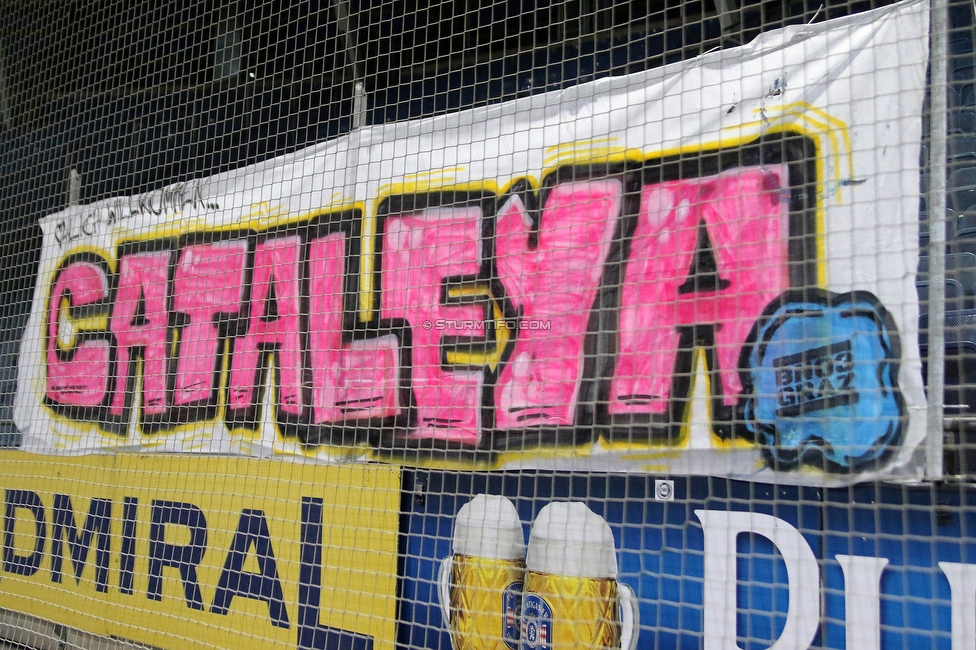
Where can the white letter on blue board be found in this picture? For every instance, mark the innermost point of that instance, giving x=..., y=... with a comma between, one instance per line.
x=802, y=573
x=862, y=600
x=962, y=586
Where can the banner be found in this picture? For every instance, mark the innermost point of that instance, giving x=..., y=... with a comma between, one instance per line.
x=704, y=268
x=180, y=552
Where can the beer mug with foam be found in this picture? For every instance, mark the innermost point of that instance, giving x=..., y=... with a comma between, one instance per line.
x=480, y=586
x=571, y=597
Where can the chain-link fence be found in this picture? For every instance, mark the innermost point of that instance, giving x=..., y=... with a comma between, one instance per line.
x=501, y=325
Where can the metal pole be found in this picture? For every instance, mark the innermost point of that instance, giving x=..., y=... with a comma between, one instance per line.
x=346, y=26
x=6, y=114
x=937, y=241
x=728, y=16
x=74, y=187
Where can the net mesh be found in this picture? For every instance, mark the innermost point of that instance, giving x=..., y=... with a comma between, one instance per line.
x=351, y=324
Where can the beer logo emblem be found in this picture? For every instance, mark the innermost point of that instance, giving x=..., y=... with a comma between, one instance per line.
x=536, y=623
x=512, y=608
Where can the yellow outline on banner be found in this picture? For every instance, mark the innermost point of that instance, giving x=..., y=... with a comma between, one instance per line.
x=589, y=152
x=490, y=359
x=434, y=174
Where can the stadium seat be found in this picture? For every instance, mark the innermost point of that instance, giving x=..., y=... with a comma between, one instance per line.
x=964, y=72
x=965, y=94
x=960, y=365
x=962, y=189
x=951, y=227
x=965, y=221
x=955, y=295
x=960, y=267
x=964, y=241
x=960, y=43
x=962, y=121
x=952, y=223
x=961, y=146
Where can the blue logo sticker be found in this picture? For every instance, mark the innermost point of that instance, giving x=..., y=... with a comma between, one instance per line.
x=820, y=372
x=536, y=623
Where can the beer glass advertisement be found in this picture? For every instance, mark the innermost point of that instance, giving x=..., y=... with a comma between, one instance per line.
x=547, y=561
x=703, y=268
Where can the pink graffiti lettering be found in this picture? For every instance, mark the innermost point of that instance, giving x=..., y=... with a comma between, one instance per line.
x=273, y=328
x=208, y=287
x=693, y=261
x=349, y=381
x=419, y=252
x=742, y=213
x=555, y=282
x=77, y=369
x=139, y=324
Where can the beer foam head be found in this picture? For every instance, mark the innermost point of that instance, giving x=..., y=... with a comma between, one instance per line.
x=488, y=526
x=569, y=539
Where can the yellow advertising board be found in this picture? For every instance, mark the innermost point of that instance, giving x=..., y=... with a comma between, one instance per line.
x=203, y=551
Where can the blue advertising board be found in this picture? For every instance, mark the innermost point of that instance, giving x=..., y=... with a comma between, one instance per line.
x=883, y=566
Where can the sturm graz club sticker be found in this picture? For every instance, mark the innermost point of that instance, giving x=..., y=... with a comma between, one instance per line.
x=820, y=372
